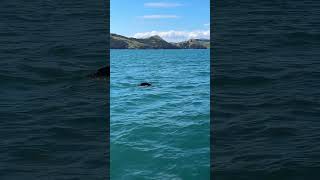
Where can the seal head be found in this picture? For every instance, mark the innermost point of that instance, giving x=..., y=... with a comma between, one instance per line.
x=145, y=84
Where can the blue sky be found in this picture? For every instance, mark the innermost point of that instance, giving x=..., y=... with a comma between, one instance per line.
x=172, y=20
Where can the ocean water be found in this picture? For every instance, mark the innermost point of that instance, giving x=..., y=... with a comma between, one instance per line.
x=265, y=90
x=162, y=131
x=53, y=119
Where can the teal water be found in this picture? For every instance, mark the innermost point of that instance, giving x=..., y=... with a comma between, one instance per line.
x=163, y=131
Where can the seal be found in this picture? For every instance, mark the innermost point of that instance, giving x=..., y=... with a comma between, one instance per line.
x=145, y=84
x=101, y=73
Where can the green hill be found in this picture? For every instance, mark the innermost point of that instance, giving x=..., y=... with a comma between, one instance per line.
x=194, y=44
x=155, y=42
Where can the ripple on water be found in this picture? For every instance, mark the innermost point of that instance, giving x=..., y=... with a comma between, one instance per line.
x=160, y=131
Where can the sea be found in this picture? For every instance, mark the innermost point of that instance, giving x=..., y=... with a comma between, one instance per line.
x=265, y=90
x=53, y=118
x=162, y=131
x=265, y=100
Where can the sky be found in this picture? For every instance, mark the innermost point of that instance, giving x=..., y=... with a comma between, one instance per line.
x=172, y=20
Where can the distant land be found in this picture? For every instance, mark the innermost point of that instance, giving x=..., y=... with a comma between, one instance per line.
x=155, y=42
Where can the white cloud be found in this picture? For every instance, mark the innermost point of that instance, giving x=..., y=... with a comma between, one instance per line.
x=176, y=36
x=162, y=5
x=159, y=16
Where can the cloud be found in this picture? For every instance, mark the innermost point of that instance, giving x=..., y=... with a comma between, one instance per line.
x=176, y=36
x=158, y=16
x=162, y=5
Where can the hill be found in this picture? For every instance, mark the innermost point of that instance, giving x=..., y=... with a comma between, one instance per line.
x=194, y=44
x=155, y=42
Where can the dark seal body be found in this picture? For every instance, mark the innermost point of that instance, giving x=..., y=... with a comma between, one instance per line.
x=145, y=84
x=101, y=73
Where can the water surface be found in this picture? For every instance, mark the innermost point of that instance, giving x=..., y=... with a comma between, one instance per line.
x=266, y=98
x=52, y=118
x=162, y=131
